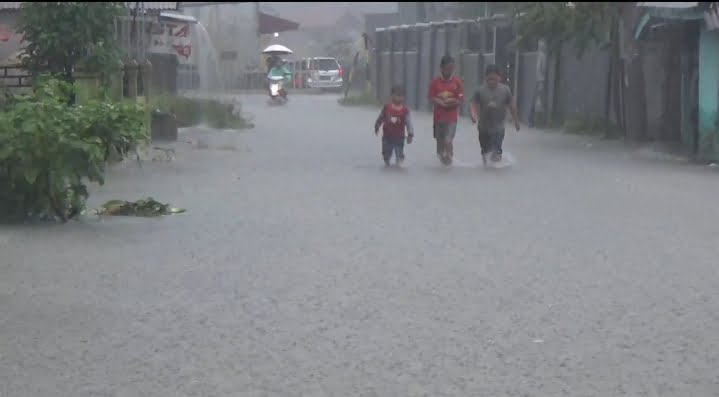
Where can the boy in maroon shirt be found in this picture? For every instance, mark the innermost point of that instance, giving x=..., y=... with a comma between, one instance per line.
x=394, y=119
x=446, y=94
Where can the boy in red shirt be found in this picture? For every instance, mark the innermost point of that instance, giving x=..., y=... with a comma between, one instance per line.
x=394, y=119
x=446, y=94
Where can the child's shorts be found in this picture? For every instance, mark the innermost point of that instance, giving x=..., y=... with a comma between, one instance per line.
x=444, y=131
x=393, y=144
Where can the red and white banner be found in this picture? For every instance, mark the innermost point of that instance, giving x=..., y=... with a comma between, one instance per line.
x=171, y=38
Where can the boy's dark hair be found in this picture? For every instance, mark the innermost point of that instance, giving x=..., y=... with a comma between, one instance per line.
x=446, y=60
x=491, y=69
x=397, y=90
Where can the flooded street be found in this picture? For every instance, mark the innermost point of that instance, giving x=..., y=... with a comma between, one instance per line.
x=303, y=268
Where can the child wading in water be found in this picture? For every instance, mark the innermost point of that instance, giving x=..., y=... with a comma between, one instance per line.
x=490, y=103
x=394, y=119
x=446, y=94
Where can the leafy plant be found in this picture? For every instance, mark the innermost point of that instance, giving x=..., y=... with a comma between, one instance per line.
x=582, y=23
x=62, y=36
x=195, y=111
x=44, y=157
x=147, y=207
x=120, y=126
x=49, y=150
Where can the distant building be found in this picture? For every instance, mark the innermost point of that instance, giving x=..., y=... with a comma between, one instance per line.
x=319, y=31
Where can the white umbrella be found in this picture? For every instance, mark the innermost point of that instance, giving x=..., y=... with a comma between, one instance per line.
x=277, y=49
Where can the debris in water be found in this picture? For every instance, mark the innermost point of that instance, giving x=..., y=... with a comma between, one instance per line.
x=147, y=208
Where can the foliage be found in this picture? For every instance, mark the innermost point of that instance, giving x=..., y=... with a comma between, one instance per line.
x=49, y=150
x=194, y=111
x=480, y=9
x=147, y=207
x=341, y=49
x=61, y=36
x=44, y=156
x=120, y=126
x=582, y=23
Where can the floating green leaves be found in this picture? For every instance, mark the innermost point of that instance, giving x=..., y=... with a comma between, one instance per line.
x=148, y=207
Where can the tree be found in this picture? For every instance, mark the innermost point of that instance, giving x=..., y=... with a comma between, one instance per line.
x=341, y=49
x=583, y=24
x=62, y=36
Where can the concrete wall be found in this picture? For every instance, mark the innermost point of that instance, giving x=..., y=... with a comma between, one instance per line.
x=583, y=86
x=655, y=79
x=527, y=85
x=411, y=72
x=385, y=75
x=488, y=59
x=398, y=69
x=452, y=33
x=426, y=69
x=440, y=48
x=471, y=71
x=374, y=21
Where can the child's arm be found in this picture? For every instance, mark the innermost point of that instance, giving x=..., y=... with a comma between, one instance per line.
x=379, y=122
x=409, y=126
x=459, y=96
x=474, y=107
x=432, y=96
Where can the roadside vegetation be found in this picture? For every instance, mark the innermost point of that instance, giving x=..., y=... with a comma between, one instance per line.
x=191, y=112
x=50, y=147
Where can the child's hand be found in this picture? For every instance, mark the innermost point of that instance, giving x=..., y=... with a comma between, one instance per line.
x=409, y=139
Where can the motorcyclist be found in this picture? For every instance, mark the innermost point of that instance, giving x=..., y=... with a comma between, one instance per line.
x=278, y=69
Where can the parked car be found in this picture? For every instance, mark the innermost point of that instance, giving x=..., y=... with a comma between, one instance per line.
x=325, y=73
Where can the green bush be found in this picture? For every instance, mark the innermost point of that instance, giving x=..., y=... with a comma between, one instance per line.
x=121, y=126
x=60, y=37
x=191, y=112
x=49, y=150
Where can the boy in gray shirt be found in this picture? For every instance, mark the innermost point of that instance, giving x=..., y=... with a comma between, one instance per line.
x=489, y=109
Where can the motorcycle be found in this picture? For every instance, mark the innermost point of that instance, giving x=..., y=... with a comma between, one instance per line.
x=278, y=95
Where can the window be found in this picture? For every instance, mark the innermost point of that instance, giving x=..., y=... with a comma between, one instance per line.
x=325, y=64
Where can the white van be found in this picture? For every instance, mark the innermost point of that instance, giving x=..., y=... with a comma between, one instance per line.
x=325, y=73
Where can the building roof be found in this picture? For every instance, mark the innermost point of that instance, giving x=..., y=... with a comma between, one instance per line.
x=152, y=5
x=272, y=24
x=654, y=13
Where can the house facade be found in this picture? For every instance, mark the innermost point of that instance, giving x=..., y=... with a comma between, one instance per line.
x=699, y=57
